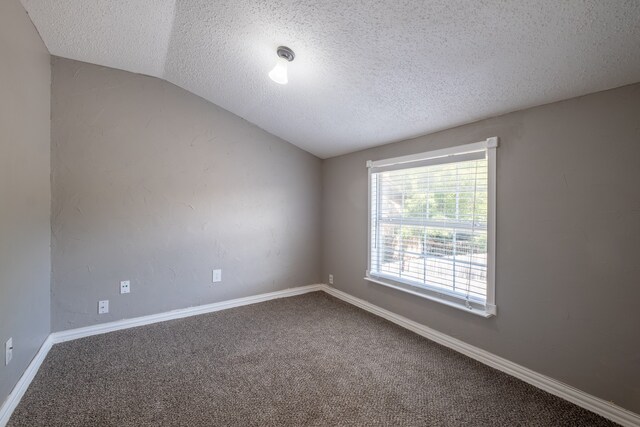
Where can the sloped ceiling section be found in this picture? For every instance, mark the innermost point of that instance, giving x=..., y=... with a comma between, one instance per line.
x=129, y=35
x=366, y=72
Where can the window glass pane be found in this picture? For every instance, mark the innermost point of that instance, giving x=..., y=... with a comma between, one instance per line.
x=429, y=226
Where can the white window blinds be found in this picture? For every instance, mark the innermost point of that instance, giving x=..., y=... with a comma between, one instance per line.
x=429, y=224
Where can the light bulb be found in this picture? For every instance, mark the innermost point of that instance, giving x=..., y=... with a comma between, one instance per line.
x=279, y=72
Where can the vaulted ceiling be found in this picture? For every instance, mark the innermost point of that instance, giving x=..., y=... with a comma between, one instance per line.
x=366, y=72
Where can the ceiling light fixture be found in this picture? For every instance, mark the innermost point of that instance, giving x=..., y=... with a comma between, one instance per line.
x=279, y=72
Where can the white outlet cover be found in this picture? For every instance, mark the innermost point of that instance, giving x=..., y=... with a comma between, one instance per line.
x=8, y=351
x=103, y=306
x=216, y=276
x=125, y=287
x=331, y=279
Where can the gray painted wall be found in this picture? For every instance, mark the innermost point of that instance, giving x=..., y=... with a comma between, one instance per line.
x=568, y=218
x=155, y=185
x=25, y=196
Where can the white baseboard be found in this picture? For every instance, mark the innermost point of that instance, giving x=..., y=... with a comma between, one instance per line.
x=73, y=334
x=580, y=398
x=573, y=395
x=11, y=402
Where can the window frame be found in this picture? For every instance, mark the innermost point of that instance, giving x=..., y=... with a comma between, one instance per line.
x=486, y=309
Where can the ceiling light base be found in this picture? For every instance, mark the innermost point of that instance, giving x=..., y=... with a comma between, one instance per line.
x=286, y=53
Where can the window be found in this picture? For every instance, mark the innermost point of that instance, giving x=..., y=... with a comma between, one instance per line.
x=432, y=225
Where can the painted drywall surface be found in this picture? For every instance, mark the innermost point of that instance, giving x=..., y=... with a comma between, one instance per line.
x=155, y=185
x=568, y=218
x=25, y=196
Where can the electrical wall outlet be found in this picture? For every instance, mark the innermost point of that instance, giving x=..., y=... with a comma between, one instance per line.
x=8, y=351
x=103, y=306
x=216, y=276
x=125, y=287
x=331, y=279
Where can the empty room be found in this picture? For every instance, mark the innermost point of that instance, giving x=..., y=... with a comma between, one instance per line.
x=320, y=213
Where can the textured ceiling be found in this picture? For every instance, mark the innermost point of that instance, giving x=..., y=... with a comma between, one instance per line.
x=366, y=72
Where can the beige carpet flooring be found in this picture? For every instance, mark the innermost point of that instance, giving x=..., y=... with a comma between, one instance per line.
x=306, y=360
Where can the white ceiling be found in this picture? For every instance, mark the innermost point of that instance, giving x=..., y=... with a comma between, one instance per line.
x=366, y=72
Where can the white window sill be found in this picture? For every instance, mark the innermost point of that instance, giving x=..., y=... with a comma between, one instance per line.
x=487, y=311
